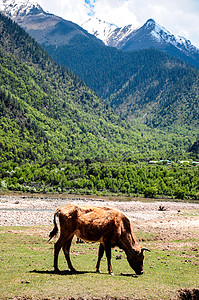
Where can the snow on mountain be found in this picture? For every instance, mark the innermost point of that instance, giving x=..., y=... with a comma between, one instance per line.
x=37, y=22
x=101, y=29
x=110, y=34
x=120, y=36
x=129, y=38
x=14, y=9
x=162, y=35
x=46, y=28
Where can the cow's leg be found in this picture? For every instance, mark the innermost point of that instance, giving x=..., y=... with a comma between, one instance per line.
x=108, y=256
x=100, y=255
x=66, y=249
x=57, y=248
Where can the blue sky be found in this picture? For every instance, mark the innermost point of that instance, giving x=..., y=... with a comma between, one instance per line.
x=91, y=7
x=180, y=17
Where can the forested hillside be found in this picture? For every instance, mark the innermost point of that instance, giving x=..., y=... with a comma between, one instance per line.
x=146, y=85
x=47, y=112
x=163, y=92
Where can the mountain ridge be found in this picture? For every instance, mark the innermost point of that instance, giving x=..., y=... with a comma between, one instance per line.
x=99, y=28
x=149, y=35
x=127, y=38
x=45, y=27
x=14, y=9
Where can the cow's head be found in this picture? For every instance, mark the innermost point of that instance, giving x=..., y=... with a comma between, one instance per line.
x=136, y=260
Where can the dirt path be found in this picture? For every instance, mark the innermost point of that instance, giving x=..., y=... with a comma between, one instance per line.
x=176, y=220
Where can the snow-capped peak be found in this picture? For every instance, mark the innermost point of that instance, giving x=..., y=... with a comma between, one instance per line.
x=119, y=37
x=99, y=28
x=13, y=8
x=109, y=33
x=161, y=34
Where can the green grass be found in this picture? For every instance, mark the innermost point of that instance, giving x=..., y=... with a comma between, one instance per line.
x=26, y=269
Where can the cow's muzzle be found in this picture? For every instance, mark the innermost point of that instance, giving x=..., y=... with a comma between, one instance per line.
x=139, y=273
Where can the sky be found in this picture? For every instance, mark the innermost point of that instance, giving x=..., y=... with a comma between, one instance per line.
x=180, y=17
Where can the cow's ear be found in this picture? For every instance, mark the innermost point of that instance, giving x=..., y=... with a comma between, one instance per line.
x=144, y=249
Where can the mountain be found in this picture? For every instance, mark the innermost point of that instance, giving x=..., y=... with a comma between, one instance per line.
x=109, y=33
x=150, y=35
x=163, y=92
x=155, y=36
x=101, y=29
x=51, y=30
x=46, y=28
x=48, y=113
x=14, y=9
x=144, y=87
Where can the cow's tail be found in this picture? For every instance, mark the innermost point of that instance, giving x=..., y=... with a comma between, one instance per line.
x=55, y=229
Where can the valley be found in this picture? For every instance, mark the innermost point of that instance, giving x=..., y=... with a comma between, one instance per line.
x=101, y=115
x=98, y=110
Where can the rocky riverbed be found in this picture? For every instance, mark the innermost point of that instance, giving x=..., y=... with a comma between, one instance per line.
x=178, y=219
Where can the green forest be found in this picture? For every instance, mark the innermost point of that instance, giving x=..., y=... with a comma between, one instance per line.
x=88, y=176
x=57, y=135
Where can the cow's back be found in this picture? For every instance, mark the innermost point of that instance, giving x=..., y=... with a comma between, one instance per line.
x=97, y=223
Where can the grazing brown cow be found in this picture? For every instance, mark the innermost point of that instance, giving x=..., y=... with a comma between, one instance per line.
x=105, y=225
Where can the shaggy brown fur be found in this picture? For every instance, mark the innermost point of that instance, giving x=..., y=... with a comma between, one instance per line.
x=105, y=225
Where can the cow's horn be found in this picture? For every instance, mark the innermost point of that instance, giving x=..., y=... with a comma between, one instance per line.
x=145, y=249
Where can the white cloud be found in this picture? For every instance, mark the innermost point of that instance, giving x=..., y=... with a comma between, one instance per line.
x=116, y=11
x=178, y=16
x=72, y=10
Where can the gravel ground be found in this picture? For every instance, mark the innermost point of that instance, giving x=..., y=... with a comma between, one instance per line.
x=25, y=211
x=177, y=217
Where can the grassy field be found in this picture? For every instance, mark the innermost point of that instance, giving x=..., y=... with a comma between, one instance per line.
x=26, y=269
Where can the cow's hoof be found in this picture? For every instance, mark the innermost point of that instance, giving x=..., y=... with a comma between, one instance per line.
x=74, y=271
x=98, y=271
x=111, y=273
x=56, y=270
